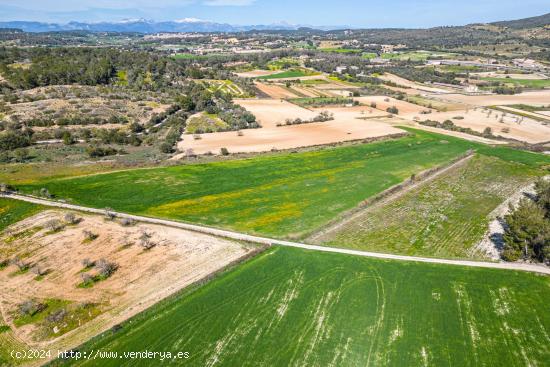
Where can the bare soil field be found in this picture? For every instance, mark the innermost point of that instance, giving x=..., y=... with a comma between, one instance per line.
x=383, y=102
x=288, y=137
x=307, y=92
x=410, y=84
x=349, y=123
x=270, y=112
x=535, y=115
x=352, y=112
x=142, y=277
x=505, y=125
x=333, y=85
x=541, y=97
x=274, y=90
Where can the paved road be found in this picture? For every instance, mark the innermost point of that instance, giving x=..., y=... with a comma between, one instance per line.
x=271, y=241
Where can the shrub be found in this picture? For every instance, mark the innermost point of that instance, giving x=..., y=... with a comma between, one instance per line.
x=393, y=110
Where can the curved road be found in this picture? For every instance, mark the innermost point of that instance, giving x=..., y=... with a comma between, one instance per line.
x=270, y=241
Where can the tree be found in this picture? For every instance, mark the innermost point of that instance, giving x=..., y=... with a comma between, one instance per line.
x=527, y=233
x=44, y=192
x=109, y=214
x=89, y=235
x=393, y=110
x=145, y=241
x=71, y=218
x=54, y=225
x=106, y=268
x=31, y=307
x=22, y=265
x=166, y=148
x=542, y=190
x=87, y=263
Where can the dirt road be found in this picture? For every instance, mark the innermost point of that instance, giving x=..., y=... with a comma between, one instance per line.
x=270, y=241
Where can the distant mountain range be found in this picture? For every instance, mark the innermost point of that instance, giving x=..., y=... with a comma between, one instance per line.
x=199, y=25
x=149, y=26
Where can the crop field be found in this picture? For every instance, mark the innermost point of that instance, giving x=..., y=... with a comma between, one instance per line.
x=529, y=83
x=444, y=217
x=288, y=74
x=341, y=50
x=12, y=211
x=284, y=194
x=290, y=307
x=189, y=56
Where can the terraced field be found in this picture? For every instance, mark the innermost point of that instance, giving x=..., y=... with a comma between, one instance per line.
x=445, y=217
x=293, y=307
x=285, y=195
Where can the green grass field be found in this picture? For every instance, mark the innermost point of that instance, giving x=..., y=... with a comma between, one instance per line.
x=189, y=56
x=12, y=211
x=369, y=55
x=445, y=217
x=290, y=307
x=341, y=50
x=275, y=195
x=285, y=195
x=287, y=74
x=529, y=83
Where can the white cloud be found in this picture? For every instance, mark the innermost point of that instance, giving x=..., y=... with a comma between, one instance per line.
x=229, y=2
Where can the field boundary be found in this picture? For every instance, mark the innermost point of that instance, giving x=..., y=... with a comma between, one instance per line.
x=391, y=193
x=270, y=241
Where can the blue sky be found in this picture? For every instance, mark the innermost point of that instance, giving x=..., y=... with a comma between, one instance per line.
x=353, y=13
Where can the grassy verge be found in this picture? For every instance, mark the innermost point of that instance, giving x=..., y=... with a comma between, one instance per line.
x=294, y=307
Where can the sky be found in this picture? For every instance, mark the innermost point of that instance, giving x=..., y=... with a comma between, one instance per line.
x=350, y=13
